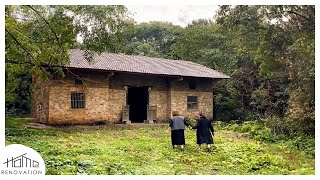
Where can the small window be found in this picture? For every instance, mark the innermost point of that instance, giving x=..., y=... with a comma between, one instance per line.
x=77, y=100
x=192, y=84
x=192, y=102
x=78, y=80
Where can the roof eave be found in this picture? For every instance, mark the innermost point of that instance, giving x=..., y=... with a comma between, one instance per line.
x=137, y=73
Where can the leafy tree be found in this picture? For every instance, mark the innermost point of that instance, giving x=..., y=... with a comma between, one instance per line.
x=153, y=39
x=140, y=48
x=38, y=38
x=203, y=42
x=274, y=37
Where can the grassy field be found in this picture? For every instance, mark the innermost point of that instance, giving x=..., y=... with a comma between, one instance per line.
x=146, y=149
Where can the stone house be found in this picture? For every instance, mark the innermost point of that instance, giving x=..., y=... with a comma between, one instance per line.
x=114, y=88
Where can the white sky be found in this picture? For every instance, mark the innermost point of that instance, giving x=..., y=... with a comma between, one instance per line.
x=177, y=14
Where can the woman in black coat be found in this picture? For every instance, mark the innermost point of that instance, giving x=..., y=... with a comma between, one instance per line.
x=205, y=131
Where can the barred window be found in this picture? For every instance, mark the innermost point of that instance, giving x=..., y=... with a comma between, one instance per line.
x=192, y=102
x=77, y=100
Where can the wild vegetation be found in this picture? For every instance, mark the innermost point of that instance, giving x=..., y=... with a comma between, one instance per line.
x=268, y=51
x=124, y=149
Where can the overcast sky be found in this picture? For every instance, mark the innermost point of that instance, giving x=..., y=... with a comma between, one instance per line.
x=177, y=14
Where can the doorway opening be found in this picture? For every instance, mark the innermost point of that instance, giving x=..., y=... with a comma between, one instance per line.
x=138, y=103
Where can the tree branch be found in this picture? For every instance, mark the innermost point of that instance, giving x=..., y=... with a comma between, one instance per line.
x=16, y=40
x=48, y=66
x=55, y=34
x=77, y=77
x=292, y=12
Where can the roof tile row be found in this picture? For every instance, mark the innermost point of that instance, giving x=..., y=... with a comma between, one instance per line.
x=141, y=64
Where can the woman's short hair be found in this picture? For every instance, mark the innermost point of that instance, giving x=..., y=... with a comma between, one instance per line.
x=175, y=113
x=201, y=114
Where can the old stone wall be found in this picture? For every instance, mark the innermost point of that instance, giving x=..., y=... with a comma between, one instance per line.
x=157, y=95
x=180, y=91
x=96, y=89
x=105, y=96
x=40, y=99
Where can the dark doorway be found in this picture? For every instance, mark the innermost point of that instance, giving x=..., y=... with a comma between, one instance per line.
x=138, y=101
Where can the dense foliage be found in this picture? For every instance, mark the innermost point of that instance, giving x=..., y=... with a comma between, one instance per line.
x=275, y=77
x=38, y=39
x=268, y=51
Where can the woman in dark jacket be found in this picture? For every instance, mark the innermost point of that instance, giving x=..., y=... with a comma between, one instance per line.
x=205, y=131
x=177, y=125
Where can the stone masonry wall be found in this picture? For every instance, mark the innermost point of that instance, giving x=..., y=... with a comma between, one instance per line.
x=180, y=91
x=96, y=89
x=40, y=100
x=157, y=94
x=105, y=96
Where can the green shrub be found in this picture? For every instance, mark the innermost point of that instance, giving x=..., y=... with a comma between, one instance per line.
x=271, y=130
x=191, y=121
x=305, y=143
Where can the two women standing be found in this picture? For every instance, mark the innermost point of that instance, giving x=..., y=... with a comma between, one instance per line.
x=205, y=131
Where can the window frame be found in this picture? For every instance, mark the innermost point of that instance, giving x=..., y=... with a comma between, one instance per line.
x=196, y=102
x=77, y=100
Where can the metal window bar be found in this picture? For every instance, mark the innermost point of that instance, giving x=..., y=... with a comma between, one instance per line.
x=192, y=102
x=77, y=100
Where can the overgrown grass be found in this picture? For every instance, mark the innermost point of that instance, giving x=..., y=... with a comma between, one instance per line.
x=259, y=130
x=125, y=149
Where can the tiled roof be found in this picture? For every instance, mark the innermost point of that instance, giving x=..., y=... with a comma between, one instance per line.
x=141, y=64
